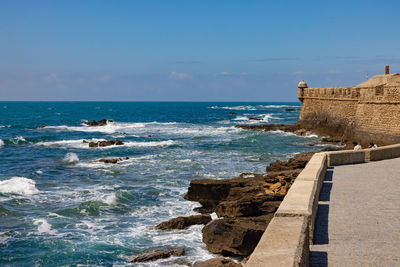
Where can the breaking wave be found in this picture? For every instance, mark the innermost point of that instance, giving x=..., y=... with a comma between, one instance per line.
x=80, y=144
x=259, y=107
x=18, y=185
x=71, y=158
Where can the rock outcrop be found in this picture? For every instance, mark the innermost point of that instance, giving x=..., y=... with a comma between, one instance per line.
x=97, y=123
x=235, y=236
x=183, y=222
x=105, y=143
x=160, y=253
x=244, y=205
x=110, y=160
x=217, y=262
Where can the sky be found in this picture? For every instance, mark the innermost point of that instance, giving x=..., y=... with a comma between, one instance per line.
x=191, y=50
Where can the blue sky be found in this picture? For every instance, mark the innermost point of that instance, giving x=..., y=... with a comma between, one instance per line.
x=187, y=50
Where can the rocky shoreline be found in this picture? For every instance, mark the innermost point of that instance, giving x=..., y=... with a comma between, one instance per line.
x=245, y=204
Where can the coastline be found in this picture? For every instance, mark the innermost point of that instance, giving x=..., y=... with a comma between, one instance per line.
x=244, y=205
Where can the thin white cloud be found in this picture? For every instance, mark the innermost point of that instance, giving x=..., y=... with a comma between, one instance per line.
x=180, y=75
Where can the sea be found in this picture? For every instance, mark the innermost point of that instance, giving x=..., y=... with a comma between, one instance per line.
x=59, y=206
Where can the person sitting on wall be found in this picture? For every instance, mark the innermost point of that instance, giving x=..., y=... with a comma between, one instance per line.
x=357, y=146
x=372, y=145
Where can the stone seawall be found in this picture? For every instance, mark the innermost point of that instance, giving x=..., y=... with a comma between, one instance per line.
x=365, y=114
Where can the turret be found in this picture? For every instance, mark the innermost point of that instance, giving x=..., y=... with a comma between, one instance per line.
x=301, y=86
x=386, y=69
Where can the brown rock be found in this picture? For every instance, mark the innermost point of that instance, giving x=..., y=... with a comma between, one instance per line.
x=179, y=262
x=183, y=222
x=275, y=186
x=249, y=206
x=42, y=126
x=217, y=262
x=110, y=160
x=97, y=123
x=299, y=161
x=255, y=119
x=106, y=143
x=159, y=253
x=235, y=236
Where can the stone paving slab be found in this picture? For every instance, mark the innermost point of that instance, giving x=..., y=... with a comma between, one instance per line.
x=358, y=220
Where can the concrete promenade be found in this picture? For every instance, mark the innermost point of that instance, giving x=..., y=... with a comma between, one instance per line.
x=358, y=220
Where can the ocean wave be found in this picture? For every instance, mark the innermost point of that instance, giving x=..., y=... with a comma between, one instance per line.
x=121, y=130
x=110, y=128
x=81, y=145
x=17, y=140
x=44, y=226
x=1, y=143
x=258, y=107
x=71, y=158
x=256, y=118
x=18, y=185
x=307, y=135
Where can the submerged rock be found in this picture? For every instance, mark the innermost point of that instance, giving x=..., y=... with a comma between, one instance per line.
x=110, y=160
x=105, y=143
x=217, y=262
x=97, y=123
x=237, y=236
x=159, y=253
x=183, y=222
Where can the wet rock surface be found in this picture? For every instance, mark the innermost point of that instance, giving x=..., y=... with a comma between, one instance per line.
x=105, y=143
x=159, y=253
x=97, y=123
x=110, y=160
x=183, y=222
x=217, y=262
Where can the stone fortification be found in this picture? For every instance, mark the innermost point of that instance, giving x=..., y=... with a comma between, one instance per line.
x=368, y=112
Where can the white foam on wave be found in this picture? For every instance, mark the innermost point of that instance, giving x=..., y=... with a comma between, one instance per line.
x=94, y=163
x=71, y=158
x=80, y=144
x=18, y=185
x=110, y=127
x=307, y=135
x=258, y=107
x=18, y=139
x=259, y=118
x=235, y=107
x=1, y=143
x=44, y=226
x=120, y=130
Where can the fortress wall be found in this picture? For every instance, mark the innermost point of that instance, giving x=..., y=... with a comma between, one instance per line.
x=336, y=102
x=368, y=113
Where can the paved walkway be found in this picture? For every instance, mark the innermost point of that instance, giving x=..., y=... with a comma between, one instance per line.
x=358, y=220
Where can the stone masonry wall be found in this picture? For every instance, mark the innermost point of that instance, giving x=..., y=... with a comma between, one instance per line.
x=371, y=113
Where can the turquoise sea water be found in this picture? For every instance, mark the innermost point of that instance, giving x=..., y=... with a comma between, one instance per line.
x=57, y=207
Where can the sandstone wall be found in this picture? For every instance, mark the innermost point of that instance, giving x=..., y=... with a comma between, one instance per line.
x=363, y=113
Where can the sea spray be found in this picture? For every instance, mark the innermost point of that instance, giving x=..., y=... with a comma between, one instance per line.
x=71, y=158
x=43, y=226
x=18, y=185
